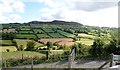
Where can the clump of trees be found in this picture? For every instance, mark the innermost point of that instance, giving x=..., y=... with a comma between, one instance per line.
x=30, y=46
x=49, y=45
x=81, y=50
x=114, y=46
x=8, y=36
x=97, y=49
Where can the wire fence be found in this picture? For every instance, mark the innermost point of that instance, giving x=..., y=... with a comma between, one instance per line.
x=32, y=61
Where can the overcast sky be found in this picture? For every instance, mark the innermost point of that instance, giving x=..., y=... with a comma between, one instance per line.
x=87, y=12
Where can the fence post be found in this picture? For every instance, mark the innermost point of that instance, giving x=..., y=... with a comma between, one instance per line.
x=5, y=64
x=111, y=61
x=69, y=62
x=71, y=58
x=32, y=63
x=22, y=57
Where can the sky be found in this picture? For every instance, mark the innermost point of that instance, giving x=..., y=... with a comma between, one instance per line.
x=87, y=12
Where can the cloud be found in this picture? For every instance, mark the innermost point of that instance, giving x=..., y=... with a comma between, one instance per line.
x=10, y=10
x=87, y=13
x=19, y=6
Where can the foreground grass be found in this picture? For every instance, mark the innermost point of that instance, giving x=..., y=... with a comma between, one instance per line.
x=18, y=54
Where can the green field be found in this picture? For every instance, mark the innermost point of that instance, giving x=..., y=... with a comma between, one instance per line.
x=11, y=48
x=25, y=27
x=86, y=41
x=86, y=35
x=48, y=30
x=56, y=51
x=25, y=32
x=26, y=36
x=6, y=42
x=43, y=36
x=56, y=35
x=38, y=31
x=24, y=42
x=65, y=33
x=18, y=54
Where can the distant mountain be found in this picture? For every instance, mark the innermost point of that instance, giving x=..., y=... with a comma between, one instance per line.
x=54, y=22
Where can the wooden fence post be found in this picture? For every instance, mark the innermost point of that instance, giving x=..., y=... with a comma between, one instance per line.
x=5, y=63
x=69, y=62
x=111, y=61
x=71, y=58
x=32, y=63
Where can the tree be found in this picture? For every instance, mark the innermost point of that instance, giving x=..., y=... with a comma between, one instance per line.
x=49, y=45
x=30, y=46
x=8, y=36
x=114, y=46
x=21, y=47
x=76, y=48
x=97, y=48
x=76, y=39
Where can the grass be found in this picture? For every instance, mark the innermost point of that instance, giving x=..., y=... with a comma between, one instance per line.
x=86, y=35
x=11, y=48
x=65, y=34
x=6, y=42
x=48, y=30
x=56, y=51
x=25, y=36
x=18, y=54
x=24, y=42
x=25, y=32
x=56, y=35
x=43, y=36
x=25, y=26
x=25, y=29
x=86, y=41
x=38, y=31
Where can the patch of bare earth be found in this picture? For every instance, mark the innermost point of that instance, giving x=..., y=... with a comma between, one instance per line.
x=60, y=41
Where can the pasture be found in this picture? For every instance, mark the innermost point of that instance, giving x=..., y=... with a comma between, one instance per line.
x=38, y=31
x=25, y=26
x=48, y=30
x=68, y=35
x=56, y=35
x=43, y=36
x=21, y=36
x=18, y=54
x=83, y=35
x=24, y=42
x=88, y=42
x=6, y=42
x=25, y=32
x=11, y=48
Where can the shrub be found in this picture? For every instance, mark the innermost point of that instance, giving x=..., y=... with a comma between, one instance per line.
x=21, y=47
x=8, y=50
x=30, y=46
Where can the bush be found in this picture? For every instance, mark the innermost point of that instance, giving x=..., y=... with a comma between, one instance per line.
x=30, y=46
x=8, y=50
x=21, y=47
